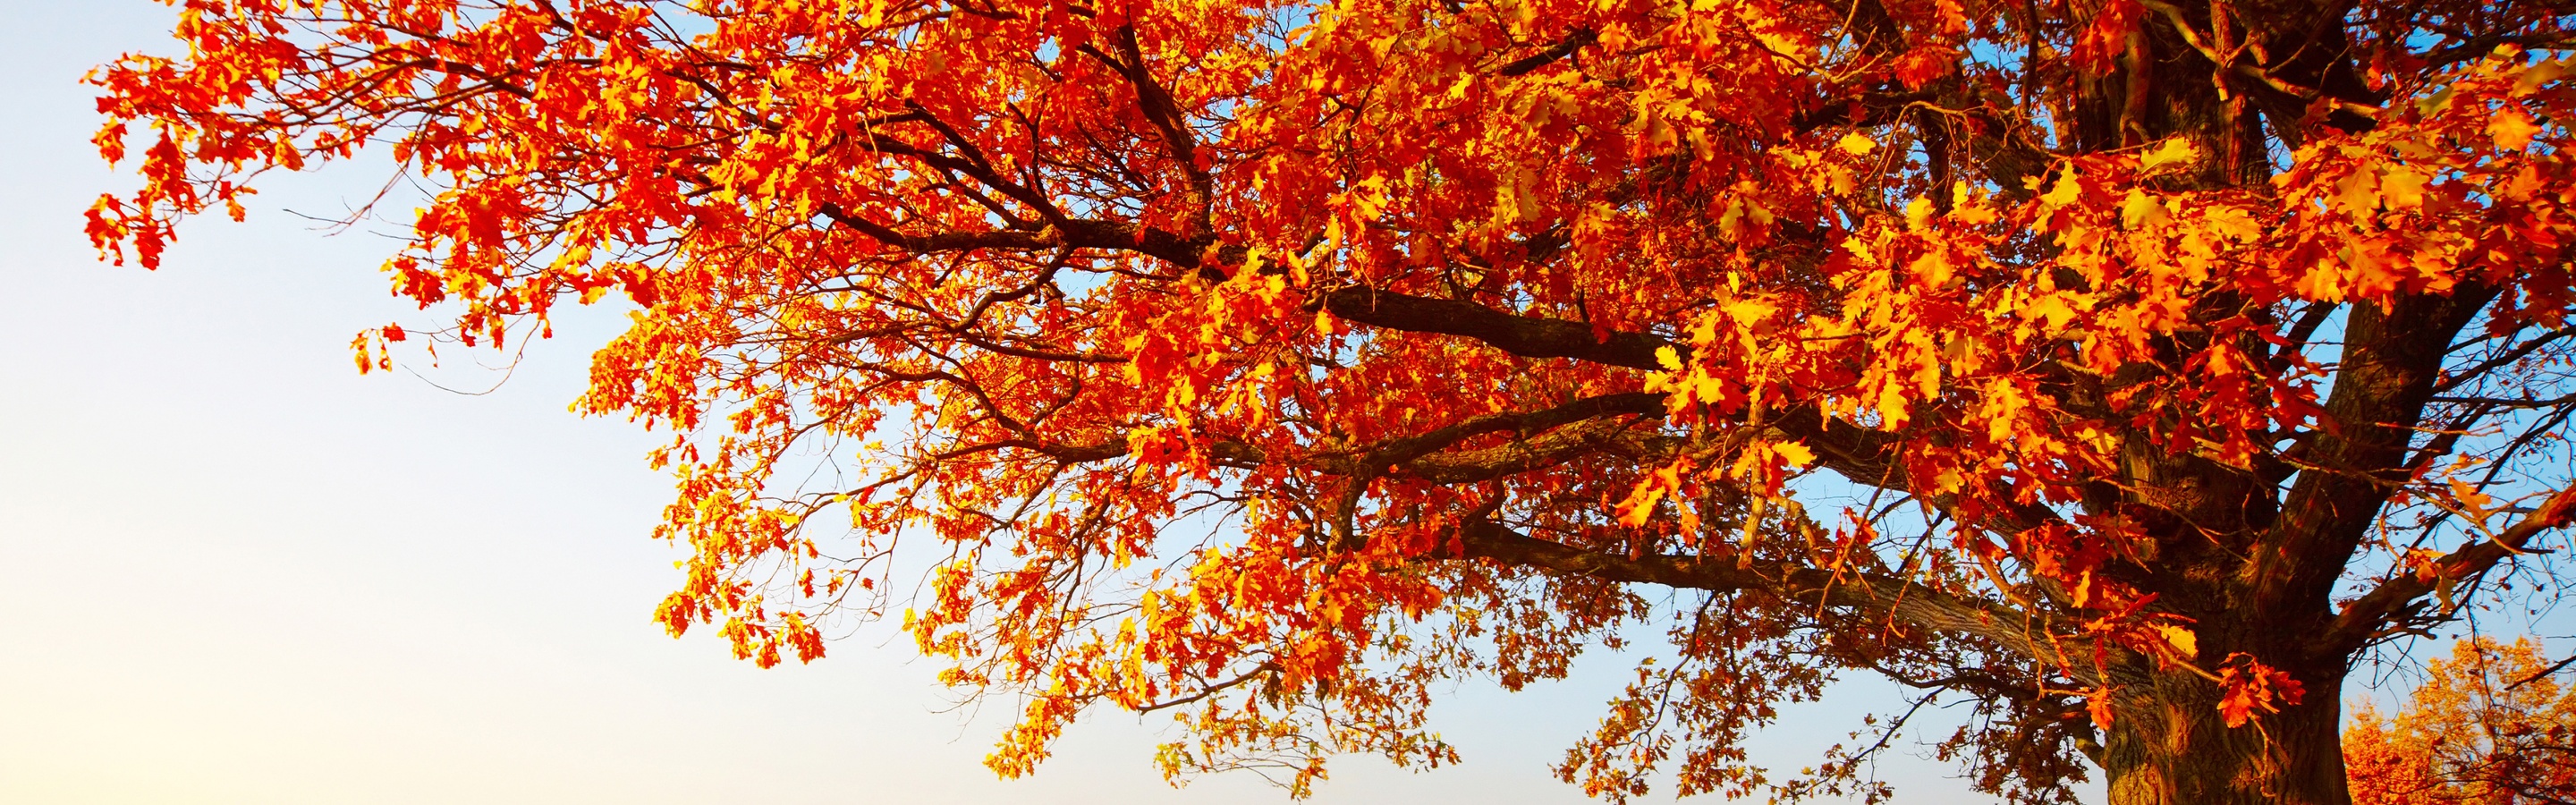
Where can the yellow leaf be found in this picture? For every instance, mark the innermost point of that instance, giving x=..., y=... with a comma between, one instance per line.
x=2174, y=150
x=1797, y=454
x=2402, y=187
x=1669, y=359
x=1748, y=311
x=2231, y=223
x=1459, y=90
x=2540, y=74
x=1891, y=407
x=2051, y=307
x=1856, y=144
x=1707, y=390
x=2470, y=497
x=2435, y=103
x=2512, y=130
x=2141, y=210
x=1840, y=181
x=1640, y=504
x=2184, y=642
x=1918, y=213
x=2358, y=193
x=2065, y=192
x=1932, y=269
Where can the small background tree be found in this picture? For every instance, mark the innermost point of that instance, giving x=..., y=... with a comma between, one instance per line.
x=2491, y=724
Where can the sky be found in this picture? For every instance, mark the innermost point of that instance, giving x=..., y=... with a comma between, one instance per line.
x=234, y=570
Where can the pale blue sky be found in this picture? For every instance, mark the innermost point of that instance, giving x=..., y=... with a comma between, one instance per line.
x=233, y=570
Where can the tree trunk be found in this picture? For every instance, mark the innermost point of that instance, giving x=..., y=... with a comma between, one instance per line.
x=2168, y=745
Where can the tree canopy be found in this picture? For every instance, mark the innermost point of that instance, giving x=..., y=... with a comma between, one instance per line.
x=2123, y=368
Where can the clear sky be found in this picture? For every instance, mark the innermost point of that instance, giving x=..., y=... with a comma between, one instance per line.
x=233, y=570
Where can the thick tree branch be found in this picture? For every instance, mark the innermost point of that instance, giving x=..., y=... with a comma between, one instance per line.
x=1165, y=114
x=1550, y=436
x=2392, y=358
x=2361, y=622
x=1077, y=233
x=1526, y=336
x=1557, y=447
x=1572, y=42
x=1908, y=604
x=1396, y=451
x=1859, y=454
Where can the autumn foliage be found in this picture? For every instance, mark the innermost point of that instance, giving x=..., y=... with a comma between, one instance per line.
x=2122, y=369
x=2491, y=725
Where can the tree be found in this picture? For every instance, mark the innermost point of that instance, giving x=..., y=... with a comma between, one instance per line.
x=2124, y=368
x=2489, y=725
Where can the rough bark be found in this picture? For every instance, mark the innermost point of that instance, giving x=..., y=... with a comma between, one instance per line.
x=2168, y=745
